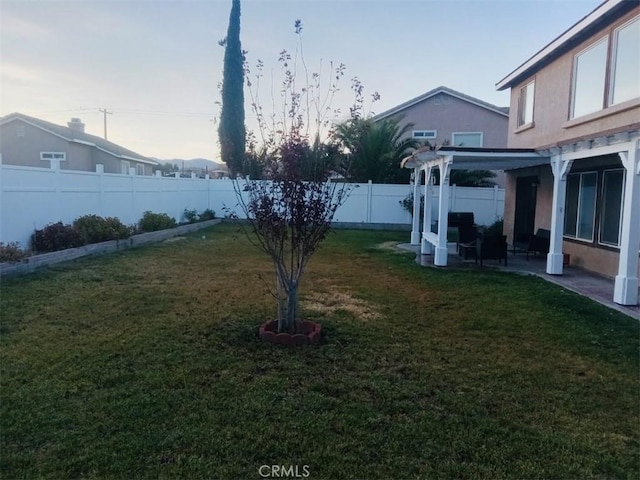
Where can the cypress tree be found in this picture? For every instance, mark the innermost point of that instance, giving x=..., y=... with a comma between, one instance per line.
x=232, y=131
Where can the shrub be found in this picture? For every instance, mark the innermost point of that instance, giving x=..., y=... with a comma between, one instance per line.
x=496, y=228
x=208, y=214
x=95, y=229
x=56, y=236
x=11, y=252
x=151, y=222
x=190, y=216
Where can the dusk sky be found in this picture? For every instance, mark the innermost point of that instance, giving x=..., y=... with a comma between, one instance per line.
x=156, y=64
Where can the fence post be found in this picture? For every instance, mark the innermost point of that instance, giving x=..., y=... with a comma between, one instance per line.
x=100, y=172
x=55, y=166
x=369, y=197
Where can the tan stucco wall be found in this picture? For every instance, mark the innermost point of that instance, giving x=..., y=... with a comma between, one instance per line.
x=598, y=259
x=552, y=104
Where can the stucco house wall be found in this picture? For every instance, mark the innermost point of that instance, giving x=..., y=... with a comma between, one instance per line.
x=447, y=114
x=553, y=127
x=552, y=102
x=21, y=143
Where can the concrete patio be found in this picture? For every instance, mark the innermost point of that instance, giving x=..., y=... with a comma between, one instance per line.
x=580, y=281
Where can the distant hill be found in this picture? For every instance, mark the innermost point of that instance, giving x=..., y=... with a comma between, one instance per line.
x=194, y=163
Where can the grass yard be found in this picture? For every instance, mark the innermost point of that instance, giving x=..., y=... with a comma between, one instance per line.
x=146, y=363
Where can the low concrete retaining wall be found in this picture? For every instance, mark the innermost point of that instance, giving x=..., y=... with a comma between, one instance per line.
x=30, y=264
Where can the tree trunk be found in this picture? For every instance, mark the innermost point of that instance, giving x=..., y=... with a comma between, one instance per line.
x=292, y=308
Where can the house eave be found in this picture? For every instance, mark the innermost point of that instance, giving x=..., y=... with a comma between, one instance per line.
x=567, y=39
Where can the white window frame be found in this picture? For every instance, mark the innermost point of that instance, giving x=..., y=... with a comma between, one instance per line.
x=602, y=200
x=522, y=120
x=574, y=80
x=139, y=169
x=595, y=209
x=613, y=61
x=432, y=136
x=48, y=156
x=453, y=136
x=125, y=165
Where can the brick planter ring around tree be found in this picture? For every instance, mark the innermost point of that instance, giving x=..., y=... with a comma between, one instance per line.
x=310, y=334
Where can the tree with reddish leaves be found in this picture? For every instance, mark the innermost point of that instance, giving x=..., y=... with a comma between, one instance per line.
x=290, y=209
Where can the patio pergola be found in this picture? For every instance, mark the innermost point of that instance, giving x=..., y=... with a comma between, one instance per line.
x=560, y=160
x=445, y=159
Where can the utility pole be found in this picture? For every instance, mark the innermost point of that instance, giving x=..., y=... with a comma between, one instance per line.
x=104, y=111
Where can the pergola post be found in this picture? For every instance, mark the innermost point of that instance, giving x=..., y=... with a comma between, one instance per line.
x=415, y=218
x=560, y=168
x=626, y=284
x=442, y=251
x=426, y=248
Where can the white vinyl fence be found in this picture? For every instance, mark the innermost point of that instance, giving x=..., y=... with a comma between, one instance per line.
x=31, y=198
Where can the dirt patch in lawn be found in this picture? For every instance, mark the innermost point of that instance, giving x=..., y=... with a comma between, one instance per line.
x=390, y=246
x=334, y=300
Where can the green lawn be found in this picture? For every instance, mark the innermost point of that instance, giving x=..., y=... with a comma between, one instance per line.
x=146, y=363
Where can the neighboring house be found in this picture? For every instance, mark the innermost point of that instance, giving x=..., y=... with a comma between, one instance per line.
x=573, y=162
x=31, y=142
x=443, y=116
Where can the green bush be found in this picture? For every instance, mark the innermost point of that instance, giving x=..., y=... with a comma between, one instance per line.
x=190, y=216
x=208, y=214
x=496, y=228
x=151, y=222
x=11, y=252
x=95, y=229
x=56, y=236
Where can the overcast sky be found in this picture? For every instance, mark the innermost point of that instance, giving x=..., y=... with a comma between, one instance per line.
x=157, y=64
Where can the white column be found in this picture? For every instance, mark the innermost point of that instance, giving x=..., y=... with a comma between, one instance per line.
x=415, y=218
x=626, y=285
x=560, y=168
x=442, y=252
x=426, y=247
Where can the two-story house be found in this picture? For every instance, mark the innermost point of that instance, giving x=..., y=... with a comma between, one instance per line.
x=579, y=100
x=444, y=116
x=32, y=142
x=573, y=159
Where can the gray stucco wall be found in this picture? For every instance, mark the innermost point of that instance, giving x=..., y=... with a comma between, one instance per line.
x=448, y=114
x=25, y=150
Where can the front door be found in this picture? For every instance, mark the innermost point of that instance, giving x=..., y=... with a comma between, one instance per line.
x=525, y=215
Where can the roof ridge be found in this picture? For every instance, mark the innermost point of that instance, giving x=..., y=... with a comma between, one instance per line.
x=433, y=92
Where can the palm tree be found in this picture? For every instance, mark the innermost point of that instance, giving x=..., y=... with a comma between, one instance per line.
x=375, y=149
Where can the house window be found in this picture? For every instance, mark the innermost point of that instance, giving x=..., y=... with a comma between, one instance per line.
x=424, y=134
x=625, y=68
x=139, y=169
x=124, y=167
x=525, y=104
x=589, y=74
x=602, y=78
x=48, y=156
x=580, y=206
x=466, y=139
x=611, y=209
